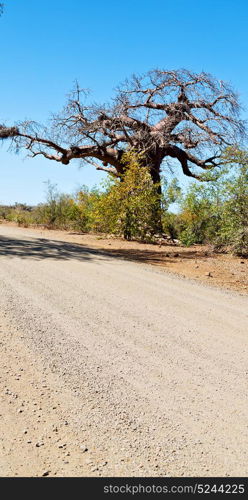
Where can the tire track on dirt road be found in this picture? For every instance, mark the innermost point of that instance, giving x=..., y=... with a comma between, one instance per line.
x=153, y=367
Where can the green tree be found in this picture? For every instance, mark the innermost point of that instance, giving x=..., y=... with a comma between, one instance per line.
x=85, y=211
x=234, y=215
x=217, y=212
x=200, y=213
x=130, y=206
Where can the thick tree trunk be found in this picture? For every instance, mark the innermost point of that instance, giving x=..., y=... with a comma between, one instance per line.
x=157, y=212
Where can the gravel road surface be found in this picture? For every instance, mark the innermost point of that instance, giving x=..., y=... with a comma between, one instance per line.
x=112, y=368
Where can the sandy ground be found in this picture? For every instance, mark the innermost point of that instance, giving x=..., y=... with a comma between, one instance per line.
x=110, y=368
x=198, y=262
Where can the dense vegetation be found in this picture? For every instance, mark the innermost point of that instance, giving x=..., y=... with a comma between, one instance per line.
x=214, y=212
x=154, y=120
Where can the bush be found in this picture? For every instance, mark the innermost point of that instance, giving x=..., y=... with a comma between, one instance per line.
x=234, y=215
x=215, y=212
x=129, y=206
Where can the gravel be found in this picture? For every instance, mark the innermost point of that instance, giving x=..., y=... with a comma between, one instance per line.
x=150, y=369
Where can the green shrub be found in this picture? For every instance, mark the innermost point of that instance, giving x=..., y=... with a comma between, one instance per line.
x=214, y=212
x=128, y=206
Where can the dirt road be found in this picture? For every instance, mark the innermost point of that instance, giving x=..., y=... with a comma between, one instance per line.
x=113, y=368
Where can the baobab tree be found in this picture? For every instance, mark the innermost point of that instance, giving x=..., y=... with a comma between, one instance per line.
x=162, y=115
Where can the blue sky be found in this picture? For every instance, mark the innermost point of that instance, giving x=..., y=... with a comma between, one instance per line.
x=46, y=45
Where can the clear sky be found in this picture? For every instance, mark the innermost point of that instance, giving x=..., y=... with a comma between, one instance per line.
x=46, y=45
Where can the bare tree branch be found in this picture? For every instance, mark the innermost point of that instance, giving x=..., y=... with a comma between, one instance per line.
x=162, y=114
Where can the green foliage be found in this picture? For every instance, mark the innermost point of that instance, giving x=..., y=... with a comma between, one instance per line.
x=20, y=216
x=58, y=209
x=199, y=216
x=170, y=224
x=217, y=212
x=85, y=210
x=234, y=214
x=130, y=206
x=214, y=212
x=64, y=211
x=172, y=192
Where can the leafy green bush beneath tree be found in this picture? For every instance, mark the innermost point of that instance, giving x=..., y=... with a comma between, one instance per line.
x=129, y=206
x=214, y=212
x=217, y=212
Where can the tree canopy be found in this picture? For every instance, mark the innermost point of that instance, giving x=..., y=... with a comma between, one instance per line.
x=162, y=115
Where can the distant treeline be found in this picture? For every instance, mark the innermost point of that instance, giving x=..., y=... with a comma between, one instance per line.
x=213, y=212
